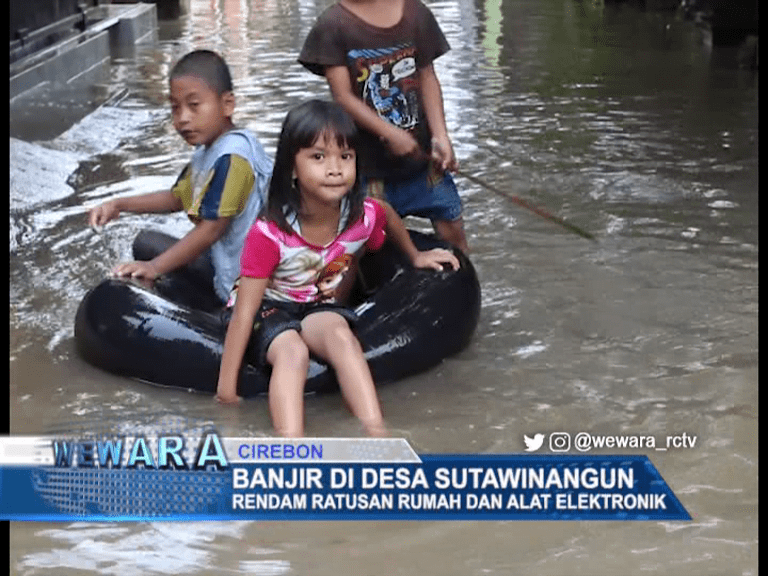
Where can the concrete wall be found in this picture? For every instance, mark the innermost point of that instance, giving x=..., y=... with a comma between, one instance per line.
x=33, y=14
x=166, y=9
x=115, y=35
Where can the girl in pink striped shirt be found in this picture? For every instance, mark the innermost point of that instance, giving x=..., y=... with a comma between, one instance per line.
x=294, y=259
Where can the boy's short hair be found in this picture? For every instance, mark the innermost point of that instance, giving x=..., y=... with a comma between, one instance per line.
x=208, y=67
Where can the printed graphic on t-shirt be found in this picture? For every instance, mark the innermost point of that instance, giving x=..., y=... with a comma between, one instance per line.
x=302, y=272
x=386, y=81
x=306, y=274
x=331, y=277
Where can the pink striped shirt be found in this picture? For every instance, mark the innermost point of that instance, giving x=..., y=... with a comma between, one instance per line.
x=299, y=271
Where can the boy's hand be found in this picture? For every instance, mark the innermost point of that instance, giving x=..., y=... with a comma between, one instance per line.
x=136, y=269
x=435, y=259
x=103, y=213
x=442, y=153
x=401, y=143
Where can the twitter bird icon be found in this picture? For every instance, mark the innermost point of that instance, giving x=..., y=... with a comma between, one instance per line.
x=533, y=444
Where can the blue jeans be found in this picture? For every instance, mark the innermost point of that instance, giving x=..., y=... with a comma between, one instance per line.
x=431, y=194
x=273, y=318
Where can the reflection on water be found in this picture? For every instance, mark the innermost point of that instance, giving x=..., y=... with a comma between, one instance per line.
x=627, y=123
x=112, y=549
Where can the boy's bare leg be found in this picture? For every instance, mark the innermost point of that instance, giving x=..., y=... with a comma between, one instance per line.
x=289, y=357
x=328, y=335
x=452, y=231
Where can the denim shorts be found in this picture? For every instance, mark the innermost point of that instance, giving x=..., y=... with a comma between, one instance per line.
x=275, y=317
x=431, y=194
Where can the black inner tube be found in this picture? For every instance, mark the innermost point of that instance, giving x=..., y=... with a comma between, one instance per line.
x=172, y=335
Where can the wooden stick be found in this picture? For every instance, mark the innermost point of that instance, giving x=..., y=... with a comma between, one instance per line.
x=527, y=205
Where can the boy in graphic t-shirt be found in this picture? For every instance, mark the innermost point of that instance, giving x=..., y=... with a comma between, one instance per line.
x=377, y=57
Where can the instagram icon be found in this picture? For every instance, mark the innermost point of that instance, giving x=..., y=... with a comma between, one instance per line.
x=559, y=442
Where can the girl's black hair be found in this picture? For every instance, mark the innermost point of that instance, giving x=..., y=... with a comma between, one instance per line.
x=301, y=128
x=206, y=65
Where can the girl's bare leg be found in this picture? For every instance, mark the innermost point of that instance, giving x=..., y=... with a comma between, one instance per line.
x=289, y=357
x=328, y=335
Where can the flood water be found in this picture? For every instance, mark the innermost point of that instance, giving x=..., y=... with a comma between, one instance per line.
x=629, y=124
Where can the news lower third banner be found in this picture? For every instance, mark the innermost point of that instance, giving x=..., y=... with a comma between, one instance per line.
x=175, y=478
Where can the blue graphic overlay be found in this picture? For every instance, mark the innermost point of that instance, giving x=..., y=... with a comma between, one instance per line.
x=212, y=478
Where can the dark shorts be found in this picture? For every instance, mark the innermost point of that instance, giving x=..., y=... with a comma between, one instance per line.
x=274, y=318
x=431, y=194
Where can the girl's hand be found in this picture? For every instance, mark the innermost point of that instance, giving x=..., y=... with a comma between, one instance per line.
x=99, y=215
x=223, y=398
x=442, y=153
x=376, y=429
x=226, y=393
x=137, y=269
x=435, y=259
